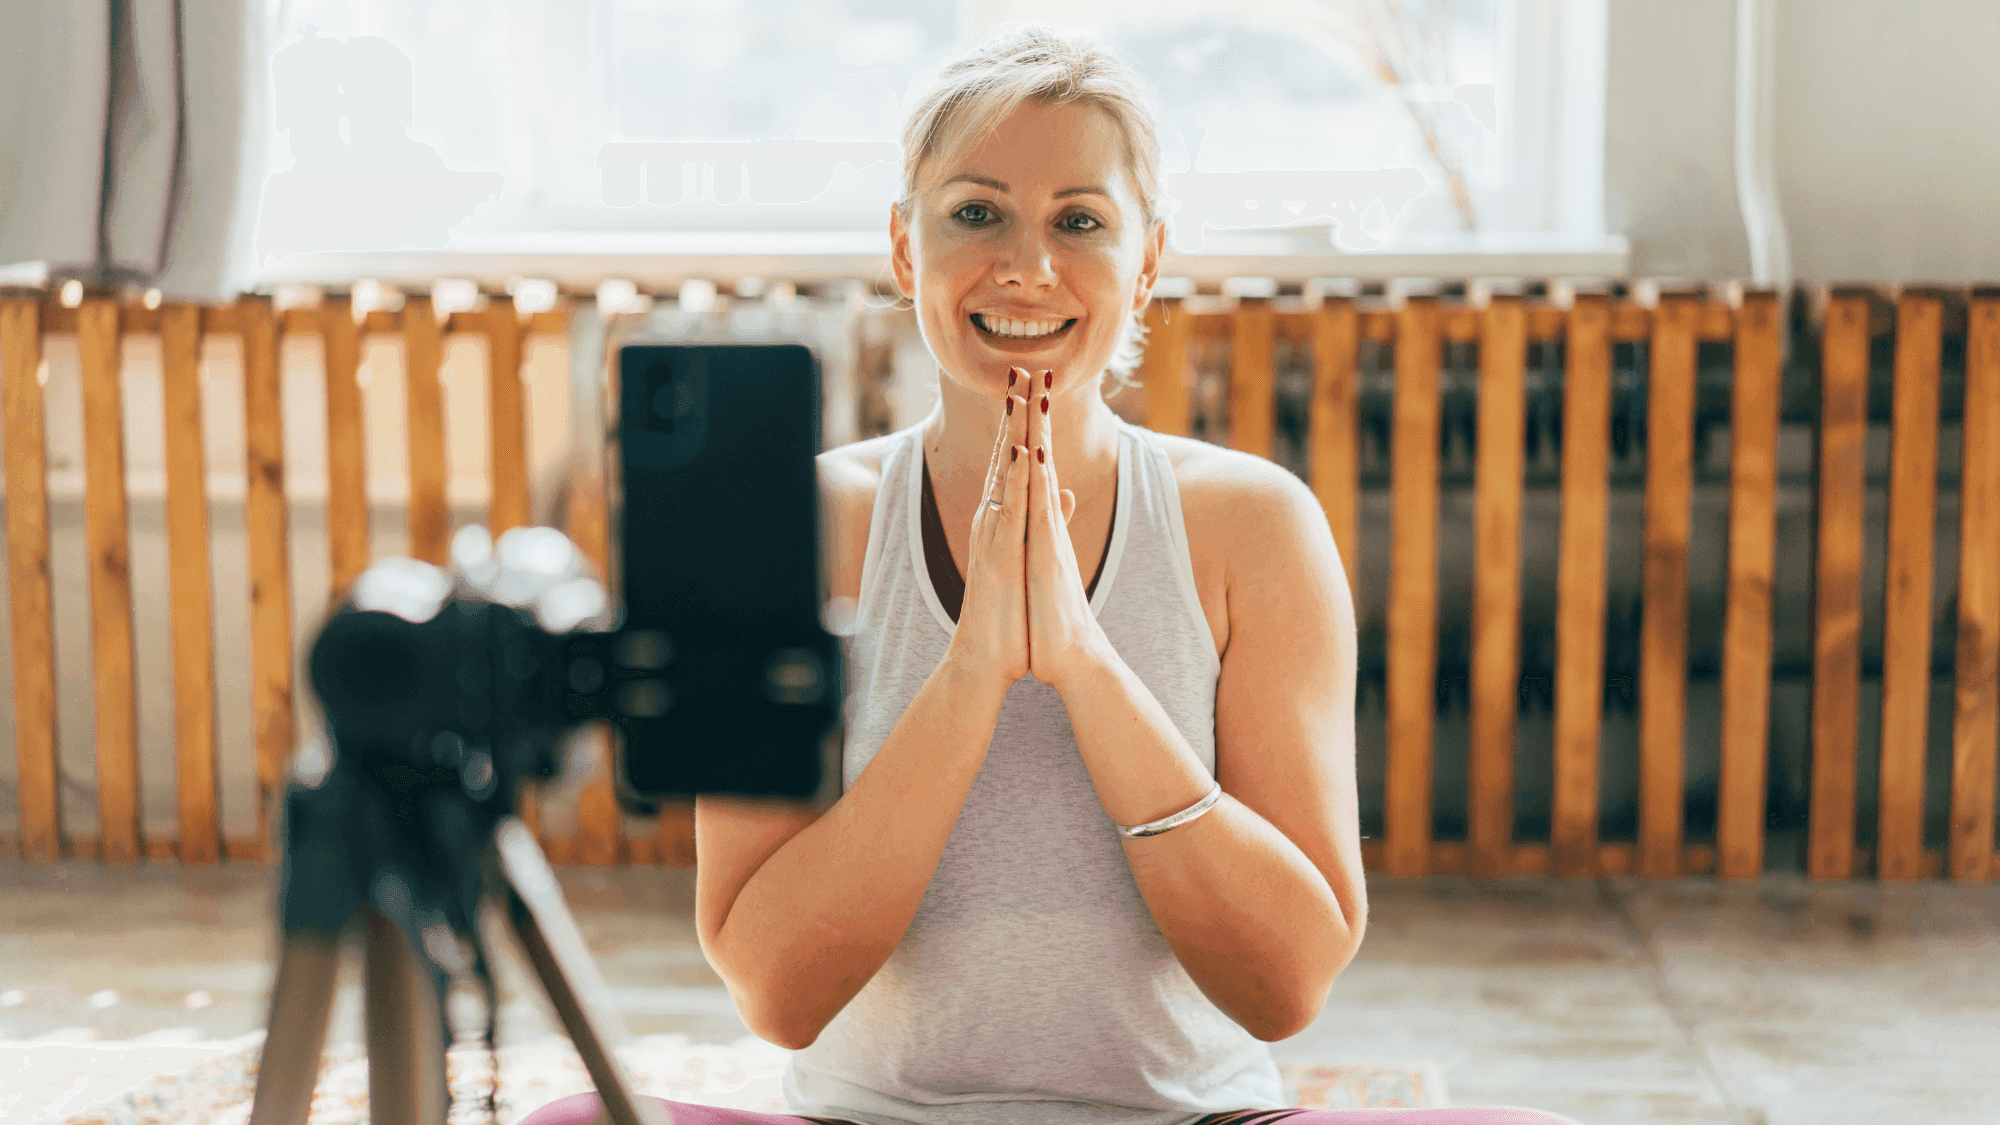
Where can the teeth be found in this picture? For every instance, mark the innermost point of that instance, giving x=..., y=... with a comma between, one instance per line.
x=1025, y=329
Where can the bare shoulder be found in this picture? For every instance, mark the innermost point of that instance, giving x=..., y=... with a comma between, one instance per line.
x=1235, y=502
x=849, y=477
x=853, y=472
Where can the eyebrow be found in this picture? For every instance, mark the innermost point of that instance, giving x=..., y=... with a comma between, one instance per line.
x=996, y=185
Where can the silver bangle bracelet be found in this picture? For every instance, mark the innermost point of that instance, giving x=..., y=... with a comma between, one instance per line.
x=1154, y=828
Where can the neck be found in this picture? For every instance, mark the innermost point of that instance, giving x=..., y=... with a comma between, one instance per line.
x=958, y=438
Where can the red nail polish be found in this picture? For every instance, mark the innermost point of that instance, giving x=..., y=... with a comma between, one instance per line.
x=1010, y=404
x=1013, y=373
x=1045, y=404
x=1048, y=380
x=1041, y=455
x=1014, y=454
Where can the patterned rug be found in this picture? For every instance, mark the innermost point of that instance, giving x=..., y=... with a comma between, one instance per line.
x=741, y=1075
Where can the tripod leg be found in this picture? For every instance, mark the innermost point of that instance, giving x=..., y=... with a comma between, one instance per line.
x=555, y=948
x=406, y=1077
x=301, y=1001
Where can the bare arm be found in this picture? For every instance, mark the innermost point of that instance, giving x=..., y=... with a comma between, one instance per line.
x=823, y=909
x=796, y=912
x=1262, y=898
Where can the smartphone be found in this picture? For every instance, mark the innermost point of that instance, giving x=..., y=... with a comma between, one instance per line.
x=723, y=676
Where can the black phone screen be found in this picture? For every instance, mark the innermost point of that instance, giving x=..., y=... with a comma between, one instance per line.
x=730, y=680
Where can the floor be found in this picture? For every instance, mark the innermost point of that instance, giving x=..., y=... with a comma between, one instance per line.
x=1615, y=1001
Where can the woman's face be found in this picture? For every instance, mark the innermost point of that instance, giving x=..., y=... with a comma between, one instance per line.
x=1028, y=249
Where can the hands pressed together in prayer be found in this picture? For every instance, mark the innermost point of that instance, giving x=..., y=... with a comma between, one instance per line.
x=1025, y=612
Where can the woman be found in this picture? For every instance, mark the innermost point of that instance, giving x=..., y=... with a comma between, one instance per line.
x=1098, y=842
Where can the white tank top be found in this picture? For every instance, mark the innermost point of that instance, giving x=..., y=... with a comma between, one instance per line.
x=1033, y=987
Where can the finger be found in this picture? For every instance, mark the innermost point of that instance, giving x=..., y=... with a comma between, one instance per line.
x=1014, y=513
x=1068, y=505
x=994, y=466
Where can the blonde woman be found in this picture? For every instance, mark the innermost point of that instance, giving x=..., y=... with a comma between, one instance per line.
x=1098, y=843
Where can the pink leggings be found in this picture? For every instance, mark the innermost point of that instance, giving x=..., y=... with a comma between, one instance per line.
x=581, y=1109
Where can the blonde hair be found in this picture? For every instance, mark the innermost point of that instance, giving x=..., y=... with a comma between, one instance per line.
x=1039, y=64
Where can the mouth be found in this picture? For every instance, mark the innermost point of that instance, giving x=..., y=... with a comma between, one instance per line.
x=1001, y=328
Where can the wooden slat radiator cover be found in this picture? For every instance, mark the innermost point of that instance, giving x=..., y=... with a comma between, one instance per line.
x=1669, y=447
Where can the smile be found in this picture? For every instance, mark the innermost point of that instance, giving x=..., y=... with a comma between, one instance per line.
x=1020, y=329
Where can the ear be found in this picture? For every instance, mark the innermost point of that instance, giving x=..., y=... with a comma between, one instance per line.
x=1149, y=269
x=899, y=255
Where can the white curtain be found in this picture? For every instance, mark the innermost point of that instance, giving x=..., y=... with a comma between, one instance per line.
x=131, y=141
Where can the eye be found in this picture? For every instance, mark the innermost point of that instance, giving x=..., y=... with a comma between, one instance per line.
x=973, y=213
x=1069, y=221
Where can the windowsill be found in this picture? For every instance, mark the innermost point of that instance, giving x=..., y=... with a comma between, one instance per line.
x=582, y=258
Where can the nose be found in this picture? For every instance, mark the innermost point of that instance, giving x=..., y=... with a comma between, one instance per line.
x=1027, y=259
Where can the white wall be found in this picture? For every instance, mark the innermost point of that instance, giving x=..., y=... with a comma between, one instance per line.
x=1887, y=138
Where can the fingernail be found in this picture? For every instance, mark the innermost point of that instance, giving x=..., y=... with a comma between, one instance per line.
x=1014, y=454
x=1041, y=455
x=1013, y=373
x=1045, y=404
x=1048, y=380
x=1010, y=404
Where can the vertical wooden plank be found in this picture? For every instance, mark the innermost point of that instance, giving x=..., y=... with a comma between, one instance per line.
x=32, y=620
x=1843, y=499
x=1746, y=645
x=506, y=403
x=1496, y=591
x=1976, y=708
x=266, y=525
x=1334, y=425
x=1906, y=606
x=197, y=770
x=1663, y=627
x=1252, y=407
x=423, y=358
x=600, y=833
x=346, y=445
x=1586, y=485
x=1164, y=368
x=1411, y=690
x=108, y=533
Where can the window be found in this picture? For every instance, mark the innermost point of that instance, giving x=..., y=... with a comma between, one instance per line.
x=574, y=123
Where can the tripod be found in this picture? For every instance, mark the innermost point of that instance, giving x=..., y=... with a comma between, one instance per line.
x=405, y=1024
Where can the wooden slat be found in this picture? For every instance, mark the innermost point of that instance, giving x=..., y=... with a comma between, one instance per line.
x=1715, y=322
x=1663, y=627
x=509, y=426
x=1252, y=409
x=266, y=533
x=1586, y=484
x=1906, y=607
x=1843, y=505
x=346, y=447
x=1976, y=710
x=1630, y=323
x=1163, y=370
x=1334, y=428
x=1546, y=323
x=599, y=822
x=1746, y=646
x=1411, y=690
x=423, y=358
x=1496, y=590
x=197, y=768
x=31, y=610
x=1460, y=323
x=1377, y=325
x=108, y=531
